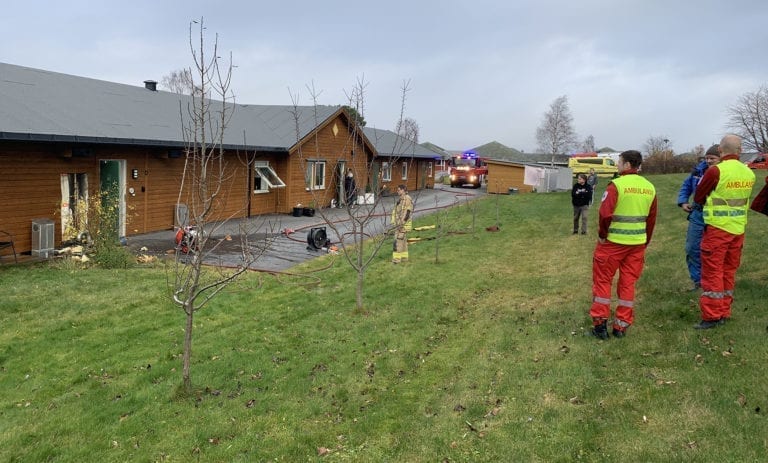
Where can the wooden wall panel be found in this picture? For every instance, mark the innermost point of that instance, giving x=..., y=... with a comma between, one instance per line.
x=331, y=146
x=503, y=177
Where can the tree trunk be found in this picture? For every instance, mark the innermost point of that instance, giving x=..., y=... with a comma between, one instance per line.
x=187, y=356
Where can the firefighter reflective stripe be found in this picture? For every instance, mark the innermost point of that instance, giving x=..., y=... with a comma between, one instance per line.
x=602, y=300
x=635, y=196
x=399, y=212
x=714, y=294
x=726, y=206
x=626, y=303
x=728, y=293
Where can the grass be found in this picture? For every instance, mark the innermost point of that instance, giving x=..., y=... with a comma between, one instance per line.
x=481, y=357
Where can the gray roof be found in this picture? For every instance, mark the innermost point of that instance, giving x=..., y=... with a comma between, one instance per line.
x=388, y=143
x=48, y=106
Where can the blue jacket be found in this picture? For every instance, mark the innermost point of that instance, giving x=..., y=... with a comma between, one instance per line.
x=688, y=189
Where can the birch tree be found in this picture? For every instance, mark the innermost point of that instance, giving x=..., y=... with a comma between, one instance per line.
x=555, y=135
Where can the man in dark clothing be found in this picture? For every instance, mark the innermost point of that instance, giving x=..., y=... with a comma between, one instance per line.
x=350, y=188
x=581, y=197
x=695, y=214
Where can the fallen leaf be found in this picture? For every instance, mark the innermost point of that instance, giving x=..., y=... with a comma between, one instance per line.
x=742, y=400
x=322, y=451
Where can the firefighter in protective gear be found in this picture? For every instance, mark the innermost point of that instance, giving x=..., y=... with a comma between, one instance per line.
x=627, y=217
x=402, y=223
x=724, y=190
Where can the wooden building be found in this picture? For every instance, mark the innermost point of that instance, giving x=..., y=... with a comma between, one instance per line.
x=66, y=140
x=400, y=161
x=506, y=176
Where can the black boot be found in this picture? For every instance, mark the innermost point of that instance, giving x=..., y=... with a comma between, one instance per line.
x=600, y=330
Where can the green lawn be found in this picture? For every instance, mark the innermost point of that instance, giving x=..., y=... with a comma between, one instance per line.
x=480, y=357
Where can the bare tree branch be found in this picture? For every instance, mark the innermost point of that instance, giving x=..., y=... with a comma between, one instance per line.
x=555, y=134
x=748, y=117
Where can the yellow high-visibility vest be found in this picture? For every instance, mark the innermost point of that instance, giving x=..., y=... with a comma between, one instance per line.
x=636, y=195
x=727, y=205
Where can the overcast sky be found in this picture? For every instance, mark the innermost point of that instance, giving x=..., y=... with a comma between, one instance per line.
x=479, y=71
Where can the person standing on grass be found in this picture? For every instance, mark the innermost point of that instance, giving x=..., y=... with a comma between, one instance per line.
x=724, y=190
x=627, y=217
x=695, y=217
x=592, y=182
x=402, y=222
x=581, y=197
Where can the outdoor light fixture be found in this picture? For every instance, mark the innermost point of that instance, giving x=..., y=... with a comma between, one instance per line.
x=135, y=174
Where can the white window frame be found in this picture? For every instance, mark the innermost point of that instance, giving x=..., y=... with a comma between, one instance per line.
x=386, y=171
x=269, y=178
x=405, y=171
x=311, y=175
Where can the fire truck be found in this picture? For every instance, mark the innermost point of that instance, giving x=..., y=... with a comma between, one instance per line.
x=468, y=168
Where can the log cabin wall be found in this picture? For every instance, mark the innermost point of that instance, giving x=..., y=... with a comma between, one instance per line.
x=331, y=144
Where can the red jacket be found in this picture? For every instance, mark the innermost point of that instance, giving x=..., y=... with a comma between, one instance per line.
x=608, y=205
x=709, y=181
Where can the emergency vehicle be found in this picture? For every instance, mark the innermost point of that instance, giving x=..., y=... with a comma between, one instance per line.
x=468, y=168
x=604, y=166
x=760, y=162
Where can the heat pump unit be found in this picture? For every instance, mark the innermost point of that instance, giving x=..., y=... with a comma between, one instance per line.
x=43, y=231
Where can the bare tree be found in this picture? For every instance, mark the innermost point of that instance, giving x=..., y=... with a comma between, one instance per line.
x=179, y=81
x=203, y=189
x=749, y=119
x=698, y=151
x=661, y=157
x=364, y=231
x=555, y=134
x=657, y=144
x=408, y=128
x=588, y=146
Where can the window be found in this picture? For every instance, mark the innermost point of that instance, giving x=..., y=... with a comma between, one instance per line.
x=315, y=175
x=430, y=166
x=386, y=172
x=405, y=171
x=265, y=178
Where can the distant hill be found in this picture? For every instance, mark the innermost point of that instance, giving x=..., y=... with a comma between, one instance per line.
x=496, y=150
x=437, y=149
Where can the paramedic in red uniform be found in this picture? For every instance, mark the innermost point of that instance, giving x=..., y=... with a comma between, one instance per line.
x=627, y=217
x=724, y=190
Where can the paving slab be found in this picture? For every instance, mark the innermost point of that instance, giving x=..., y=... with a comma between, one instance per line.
x=282, y=238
